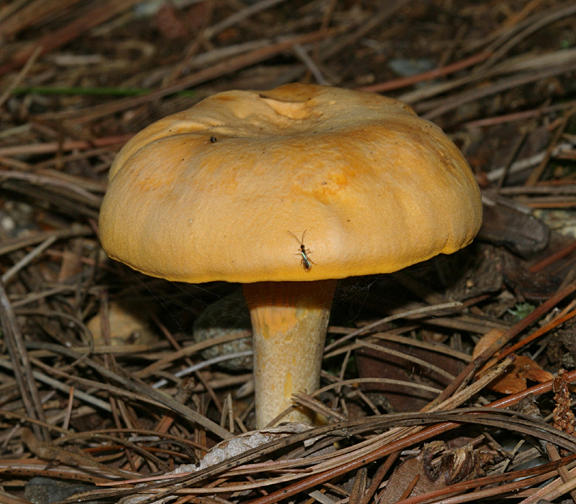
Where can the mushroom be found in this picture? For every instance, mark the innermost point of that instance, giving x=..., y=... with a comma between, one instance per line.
x=286, y=191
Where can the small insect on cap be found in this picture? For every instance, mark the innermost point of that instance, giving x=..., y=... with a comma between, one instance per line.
x=298, y=183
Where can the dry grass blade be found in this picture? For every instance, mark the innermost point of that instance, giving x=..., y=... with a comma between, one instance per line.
x=503, y=85
x=31, y=60
x=218, y=70
x=527, y=27
x=524, y=476
x=15, y=244
x=22, y=369
x=140, y=388
x=96, y=15
x=393, y=447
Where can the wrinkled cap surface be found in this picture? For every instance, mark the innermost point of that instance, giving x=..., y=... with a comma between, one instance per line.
x=298, y=183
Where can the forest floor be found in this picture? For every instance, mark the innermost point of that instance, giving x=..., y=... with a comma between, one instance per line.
x=456, y=388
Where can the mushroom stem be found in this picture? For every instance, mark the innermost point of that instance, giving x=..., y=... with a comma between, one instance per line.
x=289, y=321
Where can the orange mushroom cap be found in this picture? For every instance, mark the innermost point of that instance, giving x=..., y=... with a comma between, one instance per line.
x=227, y=189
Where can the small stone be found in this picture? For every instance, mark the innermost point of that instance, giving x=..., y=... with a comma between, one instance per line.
x=229, y=315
